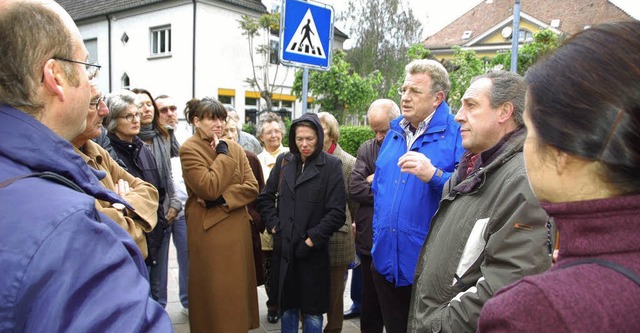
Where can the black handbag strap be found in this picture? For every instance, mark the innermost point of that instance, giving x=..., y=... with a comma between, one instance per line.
x=608, y=264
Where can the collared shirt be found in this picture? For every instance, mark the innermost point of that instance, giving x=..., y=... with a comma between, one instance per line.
x=411, y=136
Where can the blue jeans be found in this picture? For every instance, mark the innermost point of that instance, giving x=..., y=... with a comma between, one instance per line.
x=180, y=242
x=310, y=323
x=158, y=274
x=356, y=288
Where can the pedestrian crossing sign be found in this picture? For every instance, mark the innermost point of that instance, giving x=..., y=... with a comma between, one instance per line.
x=306, y=34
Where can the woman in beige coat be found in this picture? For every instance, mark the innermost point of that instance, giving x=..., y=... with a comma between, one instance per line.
x=222, y=280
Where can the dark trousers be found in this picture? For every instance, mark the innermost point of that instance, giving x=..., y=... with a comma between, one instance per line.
x=370, y=313
x=394, y=303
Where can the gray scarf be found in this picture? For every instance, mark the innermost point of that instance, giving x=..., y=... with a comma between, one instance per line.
x=160, y=152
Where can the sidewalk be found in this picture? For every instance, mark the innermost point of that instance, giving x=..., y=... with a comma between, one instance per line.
x=181, y=322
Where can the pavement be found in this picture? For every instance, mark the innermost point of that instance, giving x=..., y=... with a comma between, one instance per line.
x=181, y=321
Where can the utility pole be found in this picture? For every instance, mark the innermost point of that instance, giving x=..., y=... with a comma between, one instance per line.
x=515, y=37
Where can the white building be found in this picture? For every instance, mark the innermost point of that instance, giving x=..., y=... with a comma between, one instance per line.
x=182, y=48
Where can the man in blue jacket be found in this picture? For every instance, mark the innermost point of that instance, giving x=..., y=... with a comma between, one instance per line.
x=65, y=267
x=417, y=157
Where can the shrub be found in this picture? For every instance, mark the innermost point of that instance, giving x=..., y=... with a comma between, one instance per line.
x=351, y=137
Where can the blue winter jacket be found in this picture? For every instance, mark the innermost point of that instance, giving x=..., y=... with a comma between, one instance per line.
x=62, y=270
x=404, y=204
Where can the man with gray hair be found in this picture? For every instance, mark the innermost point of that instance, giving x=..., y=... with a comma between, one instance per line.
x=489, y=230
x=417, y=157
x=66, y=267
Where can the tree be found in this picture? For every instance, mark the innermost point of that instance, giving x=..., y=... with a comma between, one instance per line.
x=543, y=42
x=462, y=68
x=383, y=32
x=251, y=27
x=340, y=90
x=416, y=51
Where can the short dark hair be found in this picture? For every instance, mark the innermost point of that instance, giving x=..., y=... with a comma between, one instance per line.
x=207, y=107
x=584, y=99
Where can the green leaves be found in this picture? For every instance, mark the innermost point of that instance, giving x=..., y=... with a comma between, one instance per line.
x=340, y=90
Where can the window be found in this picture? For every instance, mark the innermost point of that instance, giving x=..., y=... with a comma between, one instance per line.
x=161, y=41
x=252, y=103
x=274, y=52
x=125, y=38
x=92, y=48
x=525, y=36
x=226, y=99
x=467, y=34
x=125, y=82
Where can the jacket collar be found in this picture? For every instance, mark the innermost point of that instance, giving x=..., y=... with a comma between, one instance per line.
x=489, y=161
x=33, y=145
x=437, y=124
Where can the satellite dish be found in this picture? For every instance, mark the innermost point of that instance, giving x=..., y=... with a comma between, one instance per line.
x=506, y=32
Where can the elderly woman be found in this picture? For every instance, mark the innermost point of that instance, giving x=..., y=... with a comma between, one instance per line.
x=222, y=280
x=123, y=126
x=270, y=130
x=231, y=133
x=583, y=162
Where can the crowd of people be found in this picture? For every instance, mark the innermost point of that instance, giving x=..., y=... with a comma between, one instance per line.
x=451, y=220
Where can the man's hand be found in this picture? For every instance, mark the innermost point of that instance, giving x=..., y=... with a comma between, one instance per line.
x=417, y=164
x=369, y=178
x=171, y=215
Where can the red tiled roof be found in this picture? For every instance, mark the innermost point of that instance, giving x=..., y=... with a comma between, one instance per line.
x=574, y=15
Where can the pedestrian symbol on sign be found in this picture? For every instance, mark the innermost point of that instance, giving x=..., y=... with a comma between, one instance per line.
x=306, y=40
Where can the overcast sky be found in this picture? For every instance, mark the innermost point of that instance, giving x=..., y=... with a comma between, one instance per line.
x=436, y=14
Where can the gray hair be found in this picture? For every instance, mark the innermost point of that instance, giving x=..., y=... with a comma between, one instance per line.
x=117, y=103
x=437, y=72
x=332, y=124
x=387, y=105
x=231, y=113
x=506, y=87
x=268, y=117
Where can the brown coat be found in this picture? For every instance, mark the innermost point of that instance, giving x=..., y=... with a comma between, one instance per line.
x=143, y=197
x=222, y=281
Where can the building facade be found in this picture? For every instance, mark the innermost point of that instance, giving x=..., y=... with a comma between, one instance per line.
x=183, y=48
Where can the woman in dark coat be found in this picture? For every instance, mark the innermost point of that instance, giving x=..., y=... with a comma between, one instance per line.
x=123, y=126
x=309, y=188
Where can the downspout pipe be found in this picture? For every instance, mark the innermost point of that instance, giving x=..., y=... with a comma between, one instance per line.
x=193, y=52
x=515, y=38
x=109, y=47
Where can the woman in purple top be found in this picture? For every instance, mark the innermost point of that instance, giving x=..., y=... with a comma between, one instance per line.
x=583, y=161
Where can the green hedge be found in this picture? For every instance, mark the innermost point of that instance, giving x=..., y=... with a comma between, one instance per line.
x=351, y=137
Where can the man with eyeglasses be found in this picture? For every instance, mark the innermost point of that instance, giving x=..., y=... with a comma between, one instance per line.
x=416, y=158
x=56, y=248
x=169, y=117
x=141, y=195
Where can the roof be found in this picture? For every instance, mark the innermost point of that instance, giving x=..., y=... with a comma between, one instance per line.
x=574, y=15
x=85, y=9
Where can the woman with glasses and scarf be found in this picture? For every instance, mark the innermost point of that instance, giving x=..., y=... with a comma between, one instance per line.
x=123, y=126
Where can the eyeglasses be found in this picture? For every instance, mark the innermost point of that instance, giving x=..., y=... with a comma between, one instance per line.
x=94, y=105
x=412, y=91
x=131, y=116
x=92, y=69
x=272, y=132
